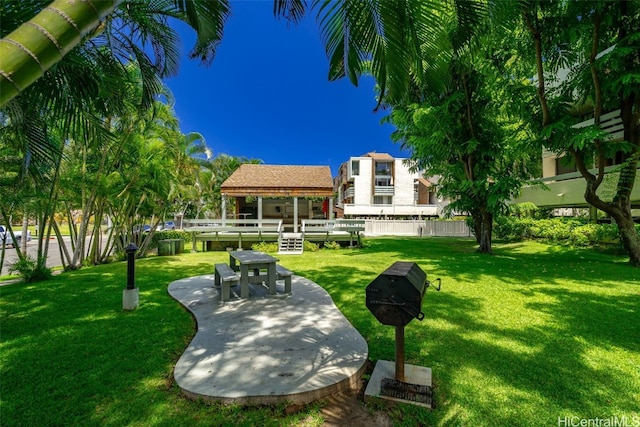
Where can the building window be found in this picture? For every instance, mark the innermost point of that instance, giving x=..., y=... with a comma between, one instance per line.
x=383, y=168
x=383, y=182
x=355, y=167
x=382, y=200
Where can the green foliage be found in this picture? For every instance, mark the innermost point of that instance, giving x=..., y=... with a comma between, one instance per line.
x=270, y=247
x=310, y=246
x=332, y=245
x=526, y=209
x=29, y=270
x=594, y=234
x=572, y=231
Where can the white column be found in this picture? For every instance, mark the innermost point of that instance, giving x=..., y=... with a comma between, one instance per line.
x=310, y=209
x=224, y=207
x=260, y=211
x=330, y=207
x=295, y=214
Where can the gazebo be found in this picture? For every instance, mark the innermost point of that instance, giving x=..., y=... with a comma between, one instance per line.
x=273, y=191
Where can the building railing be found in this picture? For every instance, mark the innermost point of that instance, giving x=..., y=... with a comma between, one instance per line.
x=350, y=192
x=383, y=190
x=361, y=210
x=610, y=122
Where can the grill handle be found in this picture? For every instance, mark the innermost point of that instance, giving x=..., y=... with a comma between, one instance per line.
x=428, y=283
x=403, y=305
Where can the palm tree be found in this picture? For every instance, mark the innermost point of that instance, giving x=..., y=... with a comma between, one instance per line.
x=54, y=28
x=396, y=42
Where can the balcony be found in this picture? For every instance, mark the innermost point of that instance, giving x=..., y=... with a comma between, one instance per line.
x=350, y=192
x=383, y=190
x=609, y=122
x=568, y=190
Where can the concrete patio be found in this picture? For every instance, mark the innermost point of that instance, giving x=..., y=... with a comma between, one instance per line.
x=264, y=350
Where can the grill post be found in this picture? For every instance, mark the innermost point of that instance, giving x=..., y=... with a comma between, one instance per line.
x=400, y=353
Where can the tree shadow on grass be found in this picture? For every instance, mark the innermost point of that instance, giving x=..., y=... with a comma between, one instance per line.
x=517, y=372
x=68, y=340
x=512, y=263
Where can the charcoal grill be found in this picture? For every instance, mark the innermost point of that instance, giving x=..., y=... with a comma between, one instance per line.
x=395, y=299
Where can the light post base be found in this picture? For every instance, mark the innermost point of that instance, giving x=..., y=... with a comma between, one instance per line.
x=130, y=299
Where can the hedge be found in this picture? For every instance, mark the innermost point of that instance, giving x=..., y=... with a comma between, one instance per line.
x=567, y=230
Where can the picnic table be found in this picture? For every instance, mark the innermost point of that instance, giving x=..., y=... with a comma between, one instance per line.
x=262, y=265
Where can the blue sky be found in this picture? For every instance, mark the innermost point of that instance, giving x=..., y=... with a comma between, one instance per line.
x=266, y=96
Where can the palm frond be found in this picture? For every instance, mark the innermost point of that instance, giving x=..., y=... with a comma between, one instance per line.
x=291, y=10
x=207, y=18
x=401, y=42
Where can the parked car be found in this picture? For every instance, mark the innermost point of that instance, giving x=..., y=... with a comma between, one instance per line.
x=169, y=225
x=145, y=228
x=5, y=236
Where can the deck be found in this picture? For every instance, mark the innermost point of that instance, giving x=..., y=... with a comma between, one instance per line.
x=219, y=234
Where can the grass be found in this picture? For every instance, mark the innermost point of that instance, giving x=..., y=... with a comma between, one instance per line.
x=525, y=337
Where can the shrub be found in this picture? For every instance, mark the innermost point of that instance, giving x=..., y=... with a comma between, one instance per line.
x=170, y=234
x=555, y=229
x=594, y=234
x=265, y=246
x=512, y=228
x=29, y=270
x=310, y=246
x=570, y=230
x=332, y=245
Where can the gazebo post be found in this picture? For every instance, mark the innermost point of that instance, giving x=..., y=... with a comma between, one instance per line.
x=295, y=214
x=224, y=209
x=330, y=207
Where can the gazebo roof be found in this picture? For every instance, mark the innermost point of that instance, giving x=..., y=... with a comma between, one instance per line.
x=279, y=181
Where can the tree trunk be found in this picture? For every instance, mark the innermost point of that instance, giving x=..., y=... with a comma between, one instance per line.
x=37, y=45
x=620, y=211
x=477, y=225
x=629, y=238
x=25, y=232
x=486, y=232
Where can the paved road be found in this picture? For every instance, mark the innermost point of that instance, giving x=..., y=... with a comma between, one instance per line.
x=53, y=260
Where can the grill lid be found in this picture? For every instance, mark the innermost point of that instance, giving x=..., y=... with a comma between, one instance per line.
x=395, y=296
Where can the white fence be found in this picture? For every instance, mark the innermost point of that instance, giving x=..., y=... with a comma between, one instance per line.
x=424, y=228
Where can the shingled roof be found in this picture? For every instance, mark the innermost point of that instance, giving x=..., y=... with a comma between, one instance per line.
x=279, y=181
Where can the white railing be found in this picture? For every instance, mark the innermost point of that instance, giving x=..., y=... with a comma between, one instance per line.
x=356, y=210
x=383, y=190
x=350, y=192
x=232, y=225
x=376, y=227
x=610, y=122
x=332, y=225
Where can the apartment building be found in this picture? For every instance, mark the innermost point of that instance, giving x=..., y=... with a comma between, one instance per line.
x=377, y=185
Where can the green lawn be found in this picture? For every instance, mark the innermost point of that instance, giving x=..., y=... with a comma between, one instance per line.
x=525, y=337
